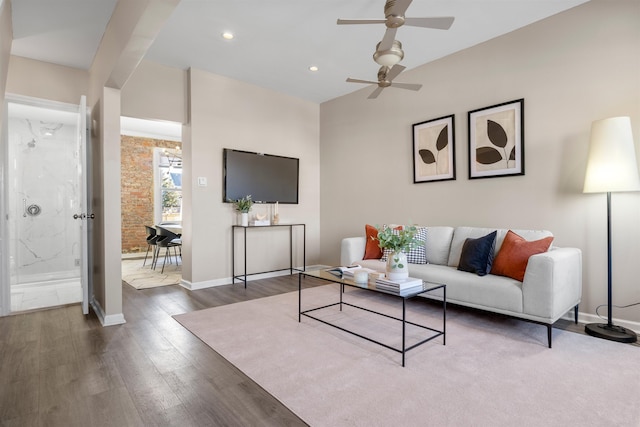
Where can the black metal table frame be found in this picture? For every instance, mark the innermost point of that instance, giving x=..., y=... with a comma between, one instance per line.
x=404, y=321
x=243, y=277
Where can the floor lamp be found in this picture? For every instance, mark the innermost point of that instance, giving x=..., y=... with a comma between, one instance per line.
x=611, y=167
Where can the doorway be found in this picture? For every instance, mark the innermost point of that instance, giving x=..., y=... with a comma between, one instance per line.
x=151, y=189
x=45, y=191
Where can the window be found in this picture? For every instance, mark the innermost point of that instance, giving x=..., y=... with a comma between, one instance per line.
x=168, y=184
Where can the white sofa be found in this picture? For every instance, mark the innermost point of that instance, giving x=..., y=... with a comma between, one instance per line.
x=552, y=284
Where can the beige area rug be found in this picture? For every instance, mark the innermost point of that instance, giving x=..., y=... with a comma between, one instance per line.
x=493, y=371
x=145, y=277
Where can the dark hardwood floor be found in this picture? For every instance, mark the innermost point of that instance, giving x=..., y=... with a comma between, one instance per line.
x=60, y=368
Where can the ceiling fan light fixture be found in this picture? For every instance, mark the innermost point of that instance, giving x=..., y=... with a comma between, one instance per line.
x=389, y=57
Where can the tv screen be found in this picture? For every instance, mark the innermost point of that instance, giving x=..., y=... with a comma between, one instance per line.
x=267, y=178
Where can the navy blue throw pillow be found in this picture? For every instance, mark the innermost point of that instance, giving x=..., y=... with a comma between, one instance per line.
x=477, y=254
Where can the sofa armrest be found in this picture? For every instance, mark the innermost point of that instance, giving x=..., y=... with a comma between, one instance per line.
x=552, y=283
x=352, y=250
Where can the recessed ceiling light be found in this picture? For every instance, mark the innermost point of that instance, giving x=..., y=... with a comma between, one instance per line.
x=313, y=68
x=227, y=35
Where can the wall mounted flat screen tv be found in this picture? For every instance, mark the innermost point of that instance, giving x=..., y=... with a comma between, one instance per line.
x=267, y=178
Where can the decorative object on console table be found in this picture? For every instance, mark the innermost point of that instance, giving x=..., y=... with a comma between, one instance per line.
x=276, y=215
x=398, y=242
x=261, y=220
x=496, y=140
x=243, y=205
x=611, y=166
x=434, y=150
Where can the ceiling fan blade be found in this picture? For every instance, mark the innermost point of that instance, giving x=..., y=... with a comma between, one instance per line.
x=375, y=93
x=387, y=40
x=400, y=7
x=395, y=70
x=360, y=21
x=442, y=23
x=369, y=82
x=410, y=86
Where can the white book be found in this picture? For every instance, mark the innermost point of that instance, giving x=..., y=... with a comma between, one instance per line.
x=344, y=270
x=351, y=272
x=398, y=291
x=409, y=282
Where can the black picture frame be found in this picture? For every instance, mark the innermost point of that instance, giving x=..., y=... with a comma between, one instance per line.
x=496, y=140
x=434, y=150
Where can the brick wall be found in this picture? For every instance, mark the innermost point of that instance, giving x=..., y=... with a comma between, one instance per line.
x=137, y=189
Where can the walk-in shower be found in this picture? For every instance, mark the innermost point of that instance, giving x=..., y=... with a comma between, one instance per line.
x=43, y=191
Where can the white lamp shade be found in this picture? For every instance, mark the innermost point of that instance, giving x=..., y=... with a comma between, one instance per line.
x=611, y=165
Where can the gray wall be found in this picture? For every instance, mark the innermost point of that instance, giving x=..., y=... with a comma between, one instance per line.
x=571, y=69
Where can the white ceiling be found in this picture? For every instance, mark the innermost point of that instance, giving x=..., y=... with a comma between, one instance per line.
x=276, y=40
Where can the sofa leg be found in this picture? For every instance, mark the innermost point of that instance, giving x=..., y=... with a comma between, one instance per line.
x=549, y=335
x=575, y=314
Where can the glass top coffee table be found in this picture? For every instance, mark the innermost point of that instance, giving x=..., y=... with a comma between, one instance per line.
x=371, y=286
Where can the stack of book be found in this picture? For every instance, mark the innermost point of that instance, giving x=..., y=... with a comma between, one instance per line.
x=400, y=287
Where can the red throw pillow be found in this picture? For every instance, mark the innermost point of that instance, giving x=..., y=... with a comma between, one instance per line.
x=372, y=250
x=513, y=257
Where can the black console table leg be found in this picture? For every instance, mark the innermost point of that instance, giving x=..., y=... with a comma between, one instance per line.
x=233, y=255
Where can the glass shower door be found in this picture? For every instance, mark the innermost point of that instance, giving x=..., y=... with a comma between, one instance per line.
x=45, y=191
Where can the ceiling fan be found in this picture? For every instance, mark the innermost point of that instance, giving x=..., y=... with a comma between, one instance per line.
x=389, y=50
x=385, y=79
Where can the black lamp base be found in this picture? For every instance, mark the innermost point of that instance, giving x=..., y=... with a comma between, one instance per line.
x=611, y=332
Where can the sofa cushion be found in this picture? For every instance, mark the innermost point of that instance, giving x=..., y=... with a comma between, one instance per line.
x=372, y=250
x=514, y=254
x=486, y=292
x=438, y=244
x=460, y=234
x=477, y=254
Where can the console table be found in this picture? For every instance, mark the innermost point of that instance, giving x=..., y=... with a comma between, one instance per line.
x=243, y=277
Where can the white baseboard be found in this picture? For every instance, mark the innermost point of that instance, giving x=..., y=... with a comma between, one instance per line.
x=227, y=280
x=592, y=318
x=106, y=319
x=202, y=285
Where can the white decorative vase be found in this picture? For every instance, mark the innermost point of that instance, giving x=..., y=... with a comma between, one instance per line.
x=244, y=219
x=397, y=268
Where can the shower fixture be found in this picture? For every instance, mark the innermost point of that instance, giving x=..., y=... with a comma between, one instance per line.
x=49, y=129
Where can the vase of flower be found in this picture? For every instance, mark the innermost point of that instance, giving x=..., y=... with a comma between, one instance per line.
x=243, y=205
x=397, y=268
x=396, y=243
x=244, y=219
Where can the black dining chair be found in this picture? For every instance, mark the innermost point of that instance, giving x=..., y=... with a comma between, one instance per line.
x=167, y=239
x=152, y=237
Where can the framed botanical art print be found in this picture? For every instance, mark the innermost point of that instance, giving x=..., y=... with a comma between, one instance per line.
x=496, y=140
x=434, y=150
